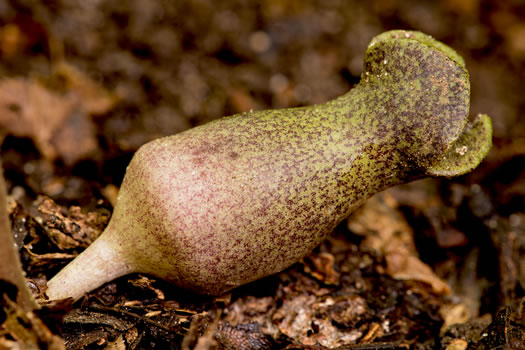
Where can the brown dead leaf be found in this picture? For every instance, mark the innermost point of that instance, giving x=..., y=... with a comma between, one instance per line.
x=75, y=139
x=132, y=336
x=24, y=330
x=242, y=336
x=345, y=310
x=207, y=340
x=20, y=223
x=388, y=232
x=73, y=228
x=403, y=267
x=453, y=314
x=10, y=267
x=38, y=260
x=297, y=318
x=321, y=267
x=424, y=198
x=200, y=335
x=98, y=327
x=95, y=99
x=146, y=283
x=28, y=109
x=457, y=344
x=57, y=124
x=248, y=309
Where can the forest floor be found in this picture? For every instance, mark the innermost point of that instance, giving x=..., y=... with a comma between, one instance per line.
x=435, y=264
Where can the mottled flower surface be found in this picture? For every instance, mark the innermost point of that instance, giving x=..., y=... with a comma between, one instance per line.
x=248, y=195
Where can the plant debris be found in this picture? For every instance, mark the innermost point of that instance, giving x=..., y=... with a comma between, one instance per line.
x=433, y=264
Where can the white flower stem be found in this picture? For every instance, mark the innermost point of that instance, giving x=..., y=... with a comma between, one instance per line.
x=101, y=262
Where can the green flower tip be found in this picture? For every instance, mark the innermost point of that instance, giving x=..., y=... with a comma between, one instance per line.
x=464, y=144
x=422, y=38
x=468, y=151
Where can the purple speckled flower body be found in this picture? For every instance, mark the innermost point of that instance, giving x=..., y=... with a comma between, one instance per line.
x=248, y=195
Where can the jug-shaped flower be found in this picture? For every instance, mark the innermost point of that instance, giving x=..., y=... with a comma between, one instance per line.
x=246, y=196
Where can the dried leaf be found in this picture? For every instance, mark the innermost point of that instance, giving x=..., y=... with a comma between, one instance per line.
x=38, y=260
x=10, y=266
x=30, y=110
x=322, y=268
x=75, y=139
x=388, y=232
x=253, y=309
x=27, y=330
x=453, y=314
x=72, y=229
x=146, y=283
x=95, y=99
x=297, y=319
x=56, y=123
x=207, y=340
x=242, y=336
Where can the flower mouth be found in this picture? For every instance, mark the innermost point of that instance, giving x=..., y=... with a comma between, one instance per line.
x=447, y=143
x=467, y=151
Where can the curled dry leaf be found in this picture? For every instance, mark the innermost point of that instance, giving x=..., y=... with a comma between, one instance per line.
x=321, y=267
x=388, y=233
x=346, y=310
x=74, y=229
x=146, y=283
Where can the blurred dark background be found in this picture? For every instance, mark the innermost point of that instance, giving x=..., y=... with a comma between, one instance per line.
x=176, y=64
